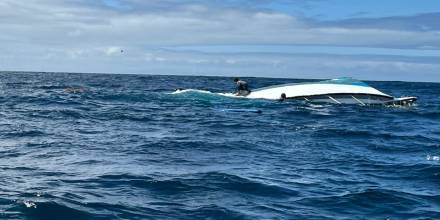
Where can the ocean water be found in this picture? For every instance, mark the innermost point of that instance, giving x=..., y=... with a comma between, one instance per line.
x=126, y=147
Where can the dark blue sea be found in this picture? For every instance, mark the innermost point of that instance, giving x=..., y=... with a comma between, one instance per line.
x=107, y=146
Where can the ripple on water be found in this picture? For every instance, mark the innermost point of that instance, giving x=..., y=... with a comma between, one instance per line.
x=126, y=148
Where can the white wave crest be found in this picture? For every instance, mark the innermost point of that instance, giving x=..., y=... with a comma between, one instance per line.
x=232, y=95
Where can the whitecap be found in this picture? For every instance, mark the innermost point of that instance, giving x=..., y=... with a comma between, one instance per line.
x=30, y=204
x=433, y=158
x=226, y=94
x=190, y=90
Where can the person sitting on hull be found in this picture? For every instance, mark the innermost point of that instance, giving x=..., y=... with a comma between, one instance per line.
x=242, y=87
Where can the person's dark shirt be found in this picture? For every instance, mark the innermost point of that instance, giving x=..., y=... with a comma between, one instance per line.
x=242, y=85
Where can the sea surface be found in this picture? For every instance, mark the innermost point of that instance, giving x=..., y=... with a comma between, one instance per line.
x=103, y=146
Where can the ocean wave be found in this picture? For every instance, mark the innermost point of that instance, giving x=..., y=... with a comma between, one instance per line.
x=428, y=114
x=401, y=172
x=127, y=148
x=23, y=133
x=348, y=133
x=357, y=204
x=53, y=210
x=213, y=212
x=208, y=182
x=122, y=97
x=207, y=95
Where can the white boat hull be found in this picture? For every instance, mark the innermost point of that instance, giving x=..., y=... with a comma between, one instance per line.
x=301, y=90
x=339, y=91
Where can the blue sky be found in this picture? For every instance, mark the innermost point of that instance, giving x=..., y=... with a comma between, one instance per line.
x=373, y=40
x=343, y=9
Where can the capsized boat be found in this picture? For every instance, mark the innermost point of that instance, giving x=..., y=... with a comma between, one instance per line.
x=339, y=91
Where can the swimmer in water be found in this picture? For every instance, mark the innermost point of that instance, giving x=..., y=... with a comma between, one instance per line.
x=283, y=97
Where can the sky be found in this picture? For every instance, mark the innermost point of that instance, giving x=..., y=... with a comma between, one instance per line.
x=368, y=40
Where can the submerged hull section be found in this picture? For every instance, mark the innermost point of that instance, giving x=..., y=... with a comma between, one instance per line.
x=402, y=101
x=360, y=99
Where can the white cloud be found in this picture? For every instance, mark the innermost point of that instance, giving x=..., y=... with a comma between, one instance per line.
x=48, y=21
x=230, y=61
x=198, y=61
x=111, y=51
x=150, y=57
x=79, y=32
x=75, y=53
x=74, y=33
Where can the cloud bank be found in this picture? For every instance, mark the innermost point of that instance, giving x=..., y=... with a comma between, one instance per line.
x=135, y=36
